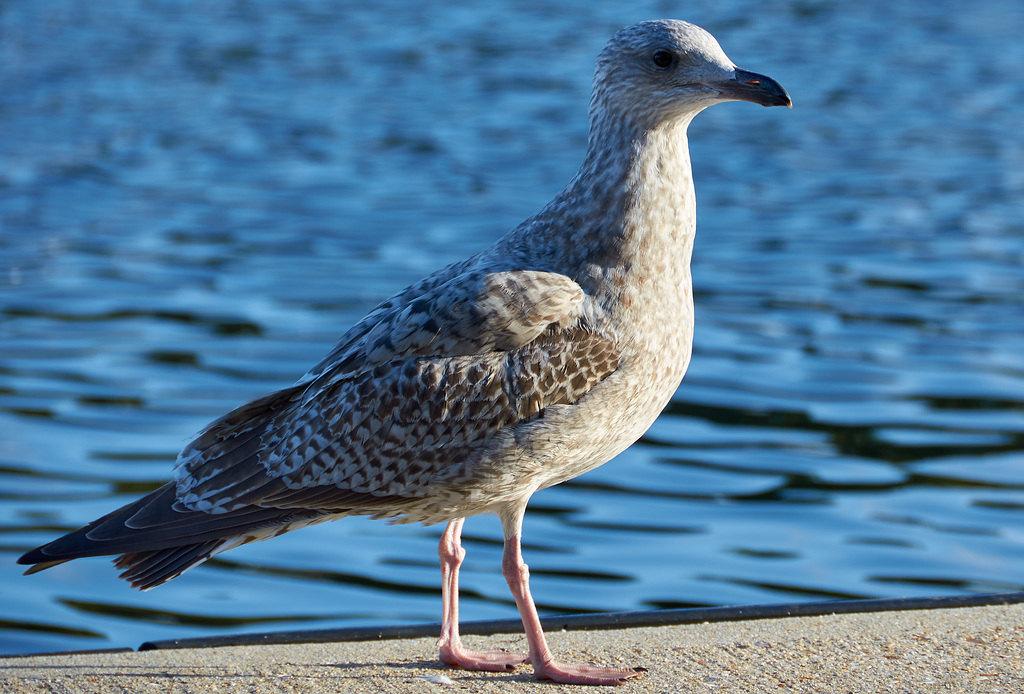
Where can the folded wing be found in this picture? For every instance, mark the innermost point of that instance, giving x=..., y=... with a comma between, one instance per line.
x=403, y=406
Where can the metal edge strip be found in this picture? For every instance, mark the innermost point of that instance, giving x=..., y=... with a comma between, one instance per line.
x=608, y=620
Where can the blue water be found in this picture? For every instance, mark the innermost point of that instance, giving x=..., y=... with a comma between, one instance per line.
x=197, y=198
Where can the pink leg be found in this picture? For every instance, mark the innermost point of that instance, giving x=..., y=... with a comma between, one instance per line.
x=452, y=651
x=545, y=667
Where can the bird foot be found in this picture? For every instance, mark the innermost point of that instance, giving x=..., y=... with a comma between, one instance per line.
x=581, y=673
x=488, y=661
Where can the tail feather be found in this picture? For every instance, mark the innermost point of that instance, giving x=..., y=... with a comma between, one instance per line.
x=43, y=565
x=159, y=539
x=145, y=570
x=157, y=520
x=140, y=565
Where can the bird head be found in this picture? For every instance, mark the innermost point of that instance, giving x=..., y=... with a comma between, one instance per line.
x=666, y=70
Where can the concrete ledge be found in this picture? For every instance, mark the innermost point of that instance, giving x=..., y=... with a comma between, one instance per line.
x=970, y=649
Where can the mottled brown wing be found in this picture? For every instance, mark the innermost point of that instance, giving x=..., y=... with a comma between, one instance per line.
x=430, y=414
x=472, y=313
x=366, y=438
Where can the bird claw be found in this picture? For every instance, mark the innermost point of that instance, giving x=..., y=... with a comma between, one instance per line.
x=487, y=661
x=581, y=673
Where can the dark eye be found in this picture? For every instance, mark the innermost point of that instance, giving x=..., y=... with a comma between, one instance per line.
x=662, y=59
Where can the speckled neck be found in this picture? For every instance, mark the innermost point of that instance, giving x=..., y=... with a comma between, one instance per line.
x=622, y=220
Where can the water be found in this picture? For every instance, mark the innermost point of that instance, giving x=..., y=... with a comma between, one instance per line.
x=196, y=200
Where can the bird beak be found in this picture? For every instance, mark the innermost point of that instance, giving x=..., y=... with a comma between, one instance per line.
x=750, y=86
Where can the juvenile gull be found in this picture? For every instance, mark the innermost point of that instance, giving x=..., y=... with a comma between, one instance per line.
x=523, y=366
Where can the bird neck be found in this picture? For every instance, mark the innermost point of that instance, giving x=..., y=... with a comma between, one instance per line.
x=630, y=210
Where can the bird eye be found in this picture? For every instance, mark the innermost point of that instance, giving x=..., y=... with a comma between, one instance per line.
x=662, y=59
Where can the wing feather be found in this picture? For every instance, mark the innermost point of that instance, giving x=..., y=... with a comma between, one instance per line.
x=427, y=387
x=412, y=397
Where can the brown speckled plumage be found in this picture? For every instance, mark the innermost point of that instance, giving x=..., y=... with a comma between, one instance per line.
x=530, y=363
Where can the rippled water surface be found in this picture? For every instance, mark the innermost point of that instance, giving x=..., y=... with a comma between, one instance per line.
x=197, y=198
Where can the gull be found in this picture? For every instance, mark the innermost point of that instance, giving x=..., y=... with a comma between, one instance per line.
x=525, y=365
